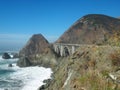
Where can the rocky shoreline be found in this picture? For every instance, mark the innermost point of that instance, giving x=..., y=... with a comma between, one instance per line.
x=6, y=55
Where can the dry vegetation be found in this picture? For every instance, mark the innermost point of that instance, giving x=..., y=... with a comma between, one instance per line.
x=115, y=58
x=91, y=67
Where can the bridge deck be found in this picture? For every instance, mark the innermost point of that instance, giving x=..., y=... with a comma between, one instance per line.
x=68, y=44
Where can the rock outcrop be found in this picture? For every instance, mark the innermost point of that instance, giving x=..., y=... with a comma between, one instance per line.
x=37, y=44
x=6, y=56
x=24, y=62
x=15, y=55
x=38, y=51
x=91, y=29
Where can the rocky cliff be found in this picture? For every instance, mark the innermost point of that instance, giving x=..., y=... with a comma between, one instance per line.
x=91, y=29
x=37, y=51
x=37, y=44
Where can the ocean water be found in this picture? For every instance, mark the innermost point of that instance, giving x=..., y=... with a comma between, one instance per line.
x=16, y=78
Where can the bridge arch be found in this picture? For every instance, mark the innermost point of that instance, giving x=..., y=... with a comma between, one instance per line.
x=58, y=50
x=63, y=49
x=66, y=51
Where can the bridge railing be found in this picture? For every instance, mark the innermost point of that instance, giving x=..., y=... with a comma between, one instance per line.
x=68, y=44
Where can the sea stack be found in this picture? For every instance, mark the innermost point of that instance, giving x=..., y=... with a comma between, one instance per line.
x=38, y=52
x=6, y=56
x=37, y=44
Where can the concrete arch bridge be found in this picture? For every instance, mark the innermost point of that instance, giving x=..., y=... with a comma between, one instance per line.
x=64, y=49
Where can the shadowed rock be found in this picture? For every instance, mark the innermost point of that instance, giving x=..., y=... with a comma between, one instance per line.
x=24, y=62
x=46, y=85
x=6, y=56
x=10, y=65
x=15, y=55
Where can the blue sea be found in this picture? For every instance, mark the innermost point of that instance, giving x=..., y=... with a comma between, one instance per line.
x=16, y=78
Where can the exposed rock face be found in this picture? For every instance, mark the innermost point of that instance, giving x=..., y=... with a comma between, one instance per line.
x=38, y=51
x=15, y=55
x=91, y=29
x=6, y=56
x=36, y=45
x=24, y=62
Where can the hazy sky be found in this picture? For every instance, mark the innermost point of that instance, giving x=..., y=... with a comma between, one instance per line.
x=19, y=19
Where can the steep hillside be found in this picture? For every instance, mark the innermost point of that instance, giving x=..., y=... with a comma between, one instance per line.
x=90, y=68
x=91, y=29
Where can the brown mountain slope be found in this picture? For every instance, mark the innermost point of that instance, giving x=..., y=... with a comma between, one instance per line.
x=91, y=29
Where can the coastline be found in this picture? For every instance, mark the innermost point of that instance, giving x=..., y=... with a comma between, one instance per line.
x=37, y=79
x=22, y=78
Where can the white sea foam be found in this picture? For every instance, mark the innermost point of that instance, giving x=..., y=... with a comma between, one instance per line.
x=1, y=58
x=4, y=63
x=7, y=59
x=11, y=55
x=32, y=77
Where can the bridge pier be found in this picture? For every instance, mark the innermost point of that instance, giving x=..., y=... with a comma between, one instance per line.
x=73, y=49
x=61, y=50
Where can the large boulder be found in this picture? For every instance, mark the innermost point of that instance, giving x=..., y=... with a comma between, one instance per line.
x=10, y=65
x=6, y=56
